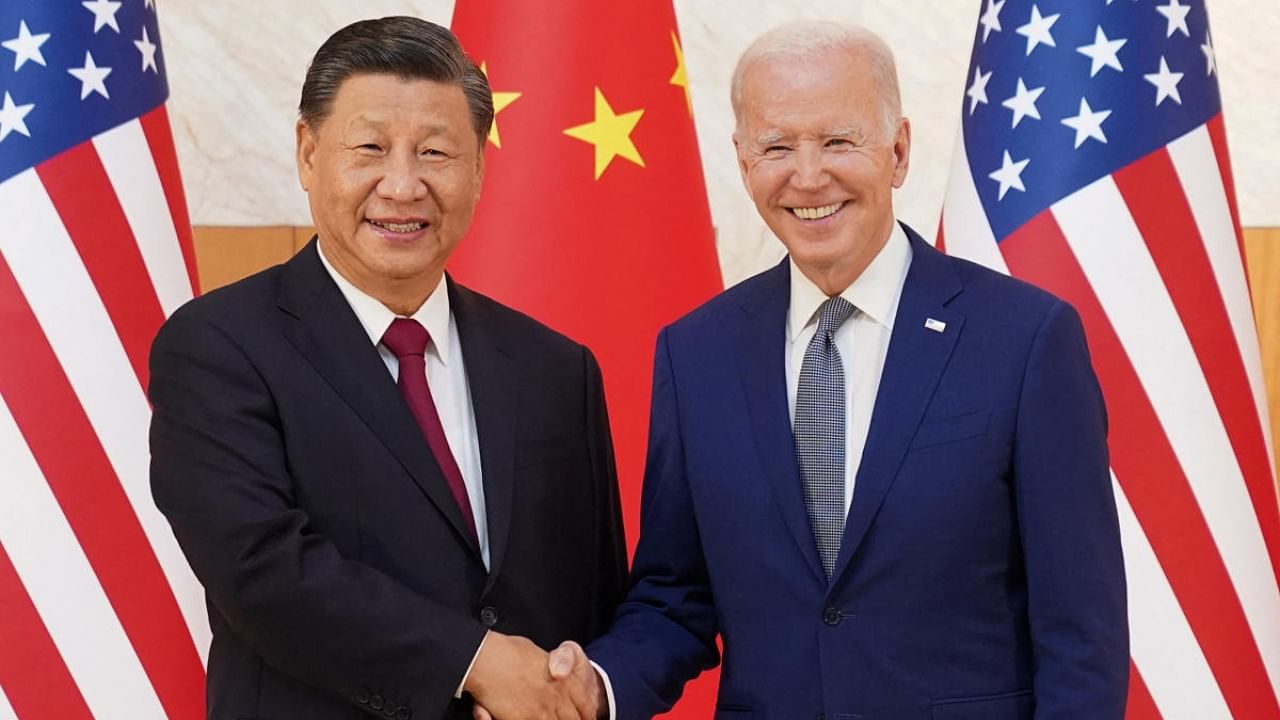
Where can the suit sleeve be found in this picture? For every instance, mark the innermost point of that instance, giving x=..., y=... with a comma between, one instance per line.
x=610, y=539
x=665, y=631
x=1069, y=530
x=219, y=474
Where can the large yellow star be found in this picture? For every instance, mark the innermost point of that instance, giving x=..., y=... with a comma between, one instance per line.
x=679, y=77
x=500, y=101
x=610, y=133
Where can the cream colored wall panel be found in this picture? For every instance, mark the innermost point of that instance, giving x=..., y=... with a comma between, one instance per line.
x=235, y=89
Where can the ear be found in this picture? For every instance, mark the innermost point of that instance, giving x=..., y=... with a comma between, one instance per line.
x=306, y=150
x=741, y=151
x=901, y=152
x=479, y=168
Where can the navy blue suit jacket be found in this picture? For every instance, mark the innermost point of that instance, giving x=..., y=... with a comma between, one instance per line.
x=980, y=574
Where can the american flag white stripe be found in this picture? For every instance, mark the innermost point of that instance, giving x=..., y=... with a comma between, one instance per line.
x=126, y=156
x=965, y=230
x=65, y=589
x=1196, y=163
x=1161, y=642
x=62, y=296
x=1126, y=281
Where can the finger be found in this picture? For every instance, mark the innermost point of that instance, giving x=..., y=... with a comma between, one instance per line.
x=564, y=660
x=566, y=710
x=479, y=713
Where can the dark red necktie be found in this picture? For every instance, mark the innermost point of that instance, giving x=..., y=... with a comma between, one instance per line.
x=408, y=340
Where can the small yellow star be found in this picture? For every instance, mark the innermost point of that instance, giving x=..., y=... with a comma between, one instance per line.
x=610, y=133
x=500, y=101
x=680, y=78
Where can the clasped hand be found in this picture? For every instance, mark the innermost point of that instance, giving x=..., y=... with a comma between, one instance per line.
x=513, y=679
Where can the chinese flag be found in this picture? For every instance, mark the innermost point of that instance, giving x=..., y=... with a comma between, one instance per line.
x=593, y=216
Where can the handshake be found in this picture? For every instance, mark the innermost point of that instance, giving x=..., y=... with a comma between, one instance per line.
x=513, y=679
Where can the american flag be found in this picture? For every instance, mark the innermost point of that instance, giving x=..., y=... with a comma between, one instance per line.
x=99, y=613
x=1092, y=161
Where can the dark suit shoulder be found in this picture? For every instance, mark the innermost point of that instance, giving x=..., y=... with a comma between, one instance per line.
x=231, y=304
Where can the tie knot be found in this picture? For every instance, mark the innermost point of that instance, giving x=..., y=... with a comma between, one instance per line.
x=406, y=338
x=833, y=313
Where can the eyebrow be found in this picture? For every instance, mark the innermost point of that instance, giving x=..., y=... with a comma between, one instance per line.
x=377, y=123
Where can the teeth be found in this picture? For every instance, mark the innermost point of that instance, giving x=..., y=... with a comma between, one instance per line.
x=816, y=213
x=400, y=227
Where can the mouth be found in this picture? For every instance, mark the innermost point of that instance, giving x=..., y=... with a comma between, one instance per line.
x=817, y=213
x=399, y=227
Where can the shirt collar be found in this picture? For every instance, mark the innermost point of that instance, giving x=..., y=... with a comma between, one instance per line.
x=375, y=317
x=874, y=293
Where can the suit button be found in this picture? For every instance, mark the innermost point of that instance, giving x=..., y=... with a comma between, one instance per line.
x=403, y=714
x=489, y=616
x=390, y=709
x=831, y=616
x=362, y=697
x=375, y=702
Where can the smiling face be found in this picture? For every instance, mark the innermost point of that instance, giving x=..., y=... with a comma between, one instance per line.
x=392, y=175
x=818, y=162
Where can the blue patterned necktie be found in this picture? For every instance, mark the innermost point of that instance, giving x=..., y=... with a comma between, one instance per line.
x=820, y=433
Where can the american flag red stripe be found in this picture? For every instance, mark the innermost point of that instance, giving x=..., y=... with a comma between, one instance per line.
x=83, y=195
x=1218, y=136
x=1133, y=220
x=100, y=615
x=1141, y=705
x=159, y=133
x=36, y=679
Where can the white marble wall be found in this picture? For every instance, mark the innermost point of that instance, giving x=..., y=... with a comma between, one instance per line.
x=235, y=68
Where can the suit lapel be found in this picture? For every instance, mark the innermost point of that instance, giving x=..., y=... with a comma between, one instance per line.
x=327, y=333
x=761, y=360
x=495, y=401
x=916, y=359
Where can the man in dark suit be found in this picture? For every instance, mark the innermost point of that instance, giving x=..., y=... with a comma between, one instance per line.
x=878, y=473
x=383, y=479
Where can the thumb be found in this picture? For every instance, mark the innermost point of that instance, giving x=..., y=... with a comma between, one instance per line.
x=562, y=660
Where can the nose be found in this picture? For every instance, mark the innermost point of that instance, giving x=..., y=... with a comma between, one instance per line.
x=810, y=170
x=402, y=180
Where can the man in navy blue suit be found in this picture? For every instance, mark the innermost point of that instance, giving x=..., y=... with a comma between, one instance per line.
x=878, y=473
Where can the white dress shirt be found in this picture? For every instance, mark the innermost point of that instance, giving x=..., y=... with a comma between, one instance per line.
x=863, y=340
x=446, y=376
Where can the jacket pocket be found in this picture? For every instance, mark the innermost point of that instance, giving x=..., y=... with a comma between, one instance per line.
x=959, y=427
x=729, y=711
x=1017, y=705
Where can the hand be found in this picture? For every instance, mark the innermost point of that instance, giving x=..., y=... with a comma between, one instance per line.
x=568, y=664
x=511, y=680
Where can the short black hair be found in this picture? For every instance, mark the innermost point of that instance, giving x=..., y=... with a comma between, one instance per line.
x=408, y=47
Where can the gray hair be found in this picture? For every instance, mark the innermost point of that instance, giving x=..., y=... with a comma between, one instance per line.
x=408, y=47
x=805, y=40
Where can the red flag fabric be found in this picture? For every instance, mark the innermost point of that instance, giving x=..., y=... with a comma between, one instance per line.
x=100, y=615
x=1092, y=161
x=593, y=217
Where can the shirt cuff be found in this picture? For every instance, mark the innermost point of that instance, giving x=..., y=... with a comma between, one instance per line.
x=457, y=695
x=608, y=689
